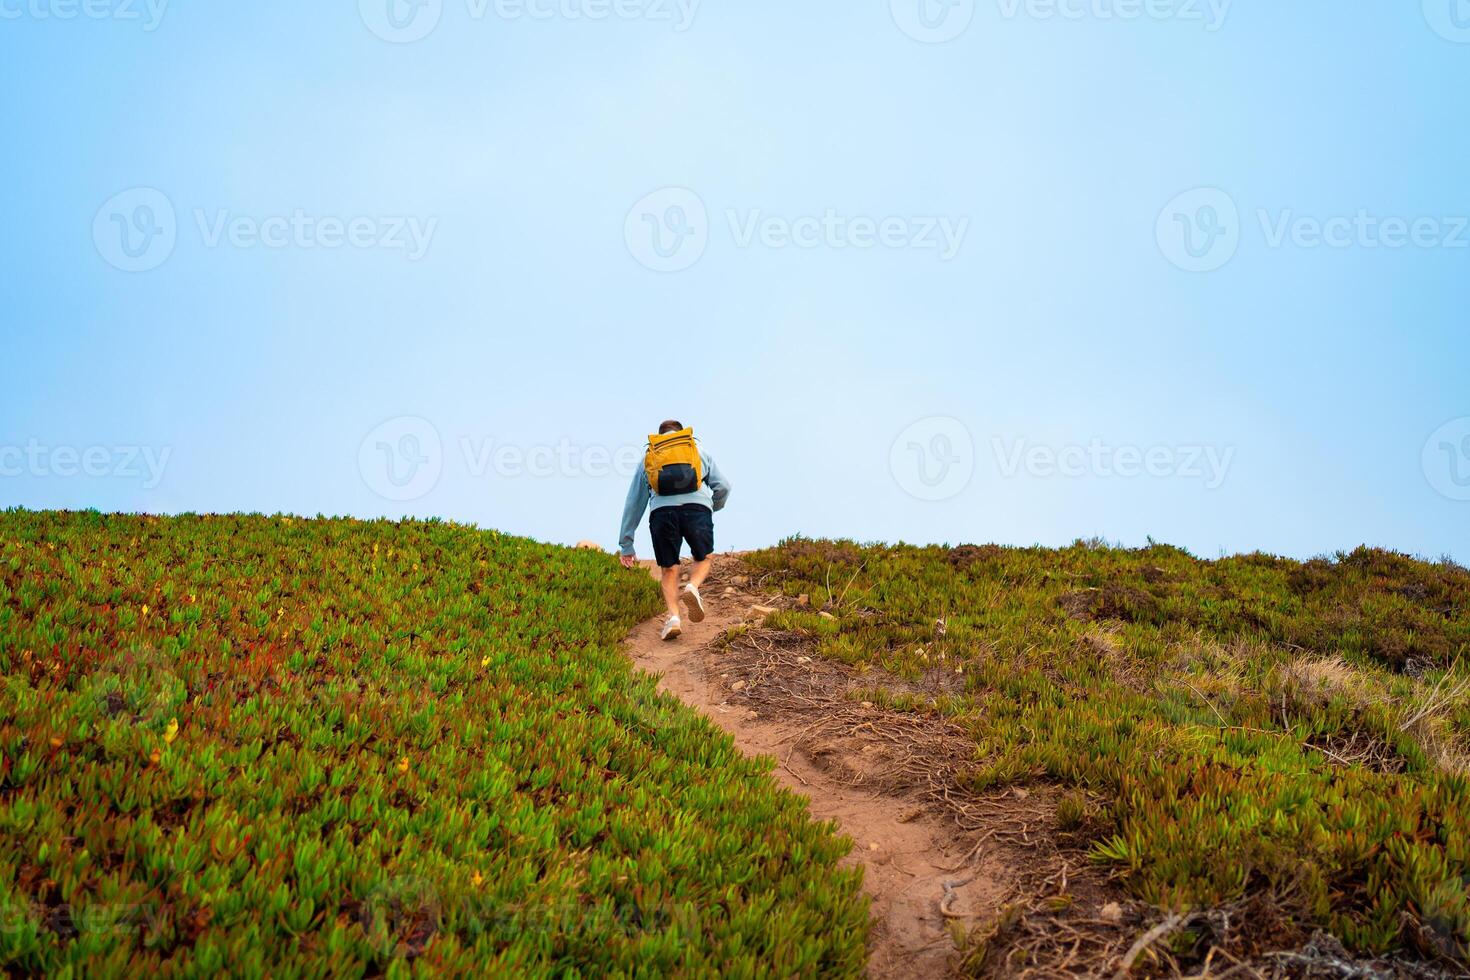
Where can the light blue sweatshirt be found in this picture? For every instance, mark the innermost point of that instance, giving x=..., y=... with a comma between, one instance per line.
x=712, y=494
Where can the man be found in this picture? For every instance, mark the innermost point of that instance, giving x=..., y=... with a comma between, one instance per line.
x=683, y=488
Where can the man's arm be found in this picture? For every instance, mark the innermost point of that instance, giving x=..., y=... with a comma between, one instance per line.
x=717, y=482
x=633, y=510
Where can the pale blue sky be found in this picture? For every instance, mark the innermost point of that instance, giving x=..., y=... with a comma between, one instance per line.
x=1293, y=395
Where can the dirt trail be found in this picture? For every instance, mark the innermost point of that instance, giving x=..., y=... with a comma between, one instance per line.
x=999, y=871
x=914, y=862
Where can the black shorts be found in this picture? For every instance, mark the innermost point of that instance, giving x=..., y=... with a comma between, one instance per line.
x=672, y=526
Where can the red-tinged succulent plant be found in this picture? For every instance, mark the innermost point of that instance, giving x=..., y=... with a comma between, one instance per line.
x=1289, y=736
x=227, y=795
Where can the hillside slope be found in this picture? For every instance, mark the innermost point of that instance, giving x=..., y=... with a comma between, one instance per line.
x=326, y=746
x=1263, y=747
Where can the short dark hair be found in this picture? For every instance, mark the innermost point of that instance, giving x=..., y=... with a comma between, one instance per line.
x=670, y=426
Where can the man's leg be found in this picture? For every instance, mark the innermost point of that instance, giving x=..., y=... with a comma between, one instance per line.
x=701, y=571
x=669, y=579
x=698, y=529
x=663, y=528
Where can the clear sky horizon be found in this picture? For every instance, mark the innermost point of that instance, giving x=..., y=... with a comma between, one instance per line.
x=1019, y=271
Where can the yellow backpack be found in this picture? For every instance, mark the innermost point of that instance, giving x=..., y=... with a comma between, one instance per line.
x=673, y=464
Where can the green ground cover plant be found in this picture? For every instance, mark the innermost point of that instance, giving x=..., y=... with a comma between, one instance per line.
x=1289, y=738
x=340, y=748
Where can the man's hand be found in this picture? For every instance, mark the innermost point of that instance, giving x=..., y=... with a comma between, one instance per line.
x=628, y=560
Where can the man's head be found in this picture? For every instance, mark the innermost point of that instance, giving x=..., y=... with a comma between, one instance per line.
x=669, y=426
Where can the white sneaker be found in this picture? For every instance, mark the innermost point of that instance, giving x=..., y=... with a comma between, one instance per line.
x=671, y=629
x=692, y=602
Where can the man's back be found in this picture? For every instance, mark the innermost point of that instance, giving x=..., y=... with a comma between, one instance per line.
x=675, y=461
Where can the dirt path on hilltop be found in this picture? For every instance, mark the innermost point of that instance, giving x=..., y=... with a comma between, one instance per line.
x=992, y=885
x=921, y=870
